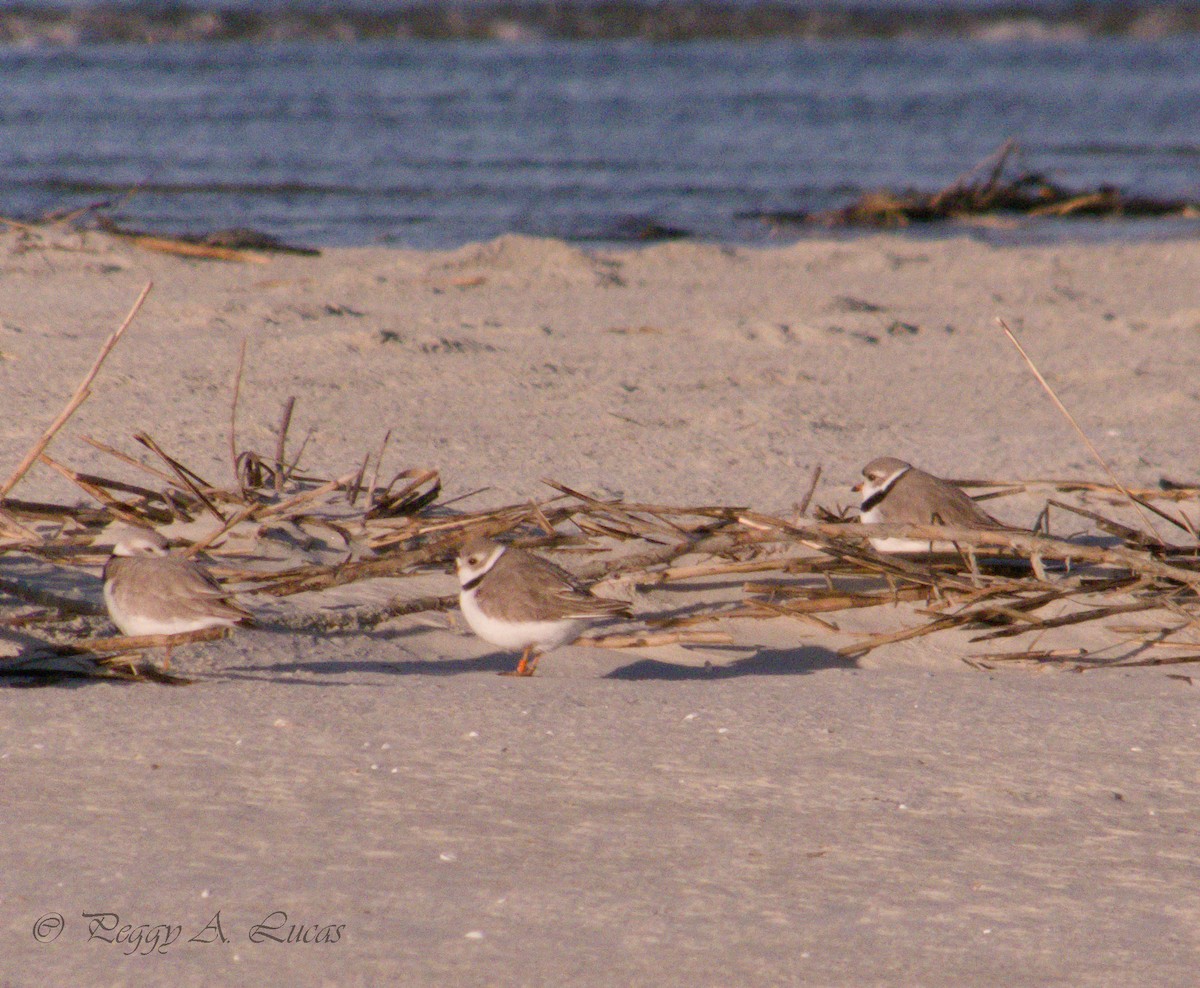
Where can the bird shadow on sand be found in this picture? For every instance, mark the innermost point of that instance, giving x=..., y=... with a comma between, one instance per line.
x=41, y=663
x=763, y=662
x=496, y=663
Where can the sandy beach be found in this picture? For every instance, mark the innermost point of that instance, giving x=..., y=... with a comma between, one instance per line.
x=764, y=813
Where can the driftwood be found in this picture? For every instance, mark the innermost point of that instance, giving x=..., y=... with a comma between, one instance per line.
x=238, y=244
x=986, y=190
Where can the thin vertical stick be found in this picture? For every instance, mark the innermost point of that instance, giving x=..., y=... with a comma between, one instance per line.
x=82, y=393
x=281, y=443
x=1075, y=425
x=375, y=473
x=802, y=510
x=237, y=391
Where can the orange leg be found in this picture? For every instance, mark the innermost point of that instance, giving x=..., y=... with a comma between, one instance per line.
x=525, y=667
x=167, y=658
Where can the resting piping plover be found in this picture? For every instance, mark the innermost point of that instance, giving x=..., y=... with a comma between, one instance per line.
x=150, y=592
x=897, y=492
x=514, y=599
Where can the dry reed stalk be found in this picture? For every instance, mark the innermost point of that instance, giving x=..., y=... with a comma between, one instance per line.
x=132, y=643
x=281, y=443
x=845, y=542
x=1025, y=544
x=802, y=507
x=1075, y=425
x=628, y=512
x=820, y=600
x=231, y=523
x=45, y=669
x=407, y=500
x=237, y=392
x=325, y=577
x=679, y=573
x=1073, y=485
x=378, y=466
x=489, y=523
x=715, y=544
x=25, y=620
x=83, y=516
x=114, y=505
x=651, y=639
x=767, y=609
x=82, y=393
x=17, y=534
x=872, y=642
x=292, y=504
x=1080, y=617
x=601, y=528
x=1123, y=532
x=1041, y=656
x=1182, y=522
x=185, y=476
x=1166, y=660
x=184, y=248
x=129, y=460
x=539, y=518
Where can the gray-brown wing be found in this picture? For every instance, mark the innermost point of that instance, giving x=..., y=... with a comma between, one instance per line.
x=952, y=506
x=536, y=589
x=165, y=587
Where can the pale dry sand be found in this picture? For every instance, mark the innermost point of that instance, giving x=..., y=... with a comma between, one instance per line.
x=622, y=818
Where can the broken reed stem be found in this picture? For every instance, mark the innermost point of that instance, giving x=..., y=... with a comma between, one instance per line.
x=826, y=537
x=131, y=643
x=802, y=509
x=1082, y=435
x=184, y=475
x=233, y=408
x=18, y=533
x=378, y=467
x=82, y=393
x=127, y=459
x=281, y=443
x=651, y=639
x=1080, y=617
x=290, y=505
x=116, y=506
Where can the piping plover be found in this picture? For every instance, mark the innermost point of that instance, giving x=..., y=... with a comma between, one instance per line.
x=514, y=599
x=894, y=491
x=150, y=592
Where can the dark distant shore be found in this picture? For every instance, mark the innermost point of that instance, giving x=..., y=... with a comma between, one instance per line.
x=506, y=19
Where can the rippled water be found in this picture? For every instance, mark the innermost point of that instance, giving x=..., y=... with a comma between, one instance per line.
x=434, y=143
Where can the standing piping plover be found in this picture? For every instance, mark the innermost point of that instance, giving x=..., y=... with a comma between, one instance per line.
x=149, y=592
x=514, y=599
x=894, y=491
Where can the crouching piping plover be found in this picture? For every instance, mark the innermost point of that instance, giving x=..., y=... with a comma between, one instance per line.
x=149, y=592
x=894, y=491
x=514, y=599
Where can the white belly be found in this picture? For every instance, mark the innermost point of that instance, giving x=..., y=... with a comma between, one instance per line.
x=896, y=544
x=517, y=635
x=130, y=623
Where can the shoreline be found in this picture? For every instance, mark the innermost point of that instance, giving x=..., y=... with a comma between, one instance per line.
x=513, y=22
